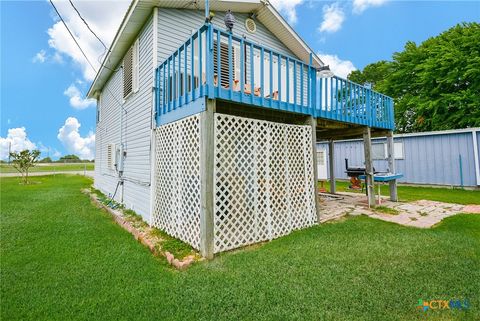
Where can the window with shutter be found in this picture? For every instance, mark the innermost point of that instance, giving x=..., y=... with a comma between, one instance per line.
x=130, y=70
x=99, y=103
x=224, y=69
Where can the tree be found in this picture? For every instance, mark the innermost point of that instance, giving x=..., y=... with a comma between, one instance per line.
x=435, y=85
x=373, y=74
x=22, y=161
x=46, y=160
x=69, y=159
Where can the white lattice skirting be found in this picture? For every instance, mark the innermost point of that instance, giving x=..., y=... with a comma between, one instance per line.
x=177, y=180
x=263, y=180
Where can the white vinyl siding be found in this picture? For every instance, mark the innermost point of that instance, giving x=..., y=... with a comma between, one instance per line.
x=128, y=122
x=175, y=27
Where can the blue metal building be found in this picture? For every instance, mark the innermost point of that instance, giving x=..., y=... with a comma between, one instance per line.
x=438, y=158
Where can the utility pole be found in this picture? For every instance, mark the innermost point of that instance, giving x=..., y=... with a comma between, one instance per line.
x=9, y=151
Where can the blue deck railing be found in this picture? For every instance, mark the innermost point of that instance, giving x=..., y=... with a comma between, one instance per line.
x=219, y=64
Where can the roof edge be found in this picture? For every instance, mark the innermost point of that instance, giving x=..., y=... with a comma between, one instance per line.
x=125, y=19
x=293, y=32
x=95, y=86
x=417, y=134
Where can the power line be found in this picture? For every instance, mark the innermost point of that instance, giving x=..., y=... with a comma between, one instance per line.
x=73, y=37
x=88, y=60
x=105, y=51
x=83, y=52
x=76, y=42
x=88, y=26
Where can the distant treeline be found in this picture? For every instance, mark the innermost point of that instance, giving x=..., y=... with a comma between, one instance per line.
x=66, y=159
x=63, y=159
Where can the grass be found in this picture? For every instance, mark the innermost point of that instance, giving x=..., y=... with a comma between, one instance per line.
x=5, y=168
x=170, y=244
x=409, y=193
x=386, y=210
x=63, y=259
x=176, y=247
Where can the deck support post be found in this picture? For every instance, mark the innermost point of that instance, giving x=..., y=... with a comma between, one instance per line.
x=207, y=143
x=331, y=166
x=391, y=166
x=367, y=143
x=313, y=123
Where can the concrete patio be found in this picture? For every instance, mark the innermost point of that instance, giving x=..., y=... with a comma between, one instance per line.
x=421, y=214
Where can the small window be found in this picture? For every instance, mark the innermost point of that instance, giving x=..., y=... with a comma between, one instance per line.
x=398, y=150
x=321, y=158
x=130, y=70
x=99, y=102
x=378, y=151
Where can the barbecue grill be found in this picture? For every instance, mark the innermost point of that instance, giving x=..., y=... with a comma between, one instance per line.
x=355, y=171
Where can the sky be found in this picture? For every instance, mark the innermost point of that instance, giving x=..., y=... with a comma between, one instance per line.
x=44, y=77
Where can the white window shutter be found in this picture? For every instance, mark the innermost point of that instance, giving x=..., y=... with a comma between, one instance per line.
x=127, y=73
x=111, y=156
x=136, y=66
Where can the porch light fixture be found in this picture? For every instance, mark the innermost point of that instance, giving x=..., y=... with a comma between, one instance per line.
x=210, y=17
x=229, y=20
x=325, y=72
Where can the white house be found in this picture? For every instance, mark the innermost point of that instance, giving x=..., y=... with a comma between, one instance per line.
x=209, y=132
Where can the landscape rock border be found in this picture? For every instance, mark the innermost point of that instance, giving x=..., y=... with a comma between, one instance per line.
x=141, y=236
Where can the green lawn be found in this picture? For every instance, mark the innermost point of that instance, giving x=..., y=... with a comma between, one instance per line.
x=5, y=168
x=409, y=193
x=63, y=259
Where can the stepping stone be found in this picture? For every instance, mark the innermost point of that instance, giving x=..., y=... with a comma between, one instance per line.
x=475, y=209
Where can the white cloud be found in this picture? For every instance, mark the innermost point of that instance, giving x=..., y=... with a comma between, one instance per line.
x=288, y=8
x=361, y=5
x=56, y=154
x=40, y=57
x=70, y=137
x=48, y=151
x=57, y=58
x=333, y=18
x=76, y=99
x=339, y=67
x=15, y=141
x=43, y=148
x=103, y=17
